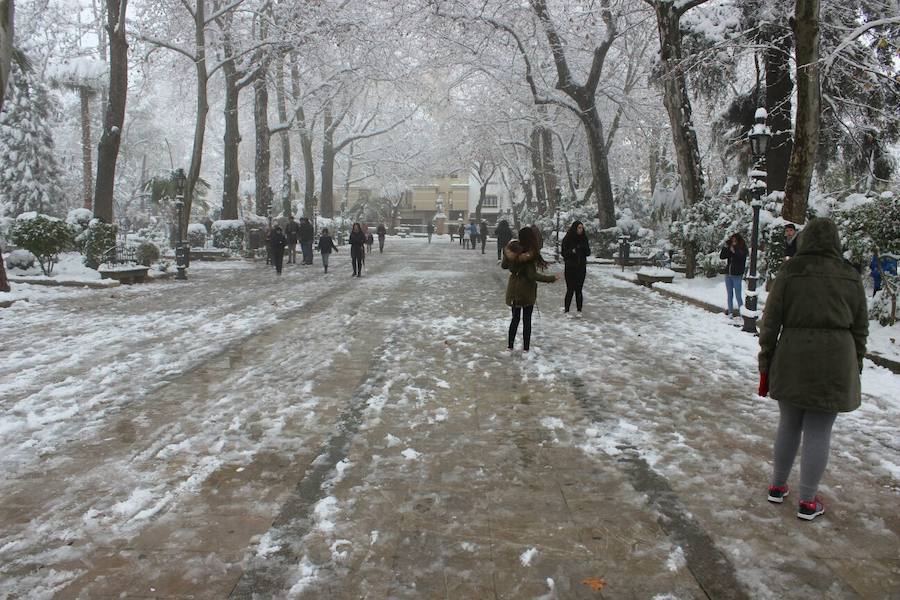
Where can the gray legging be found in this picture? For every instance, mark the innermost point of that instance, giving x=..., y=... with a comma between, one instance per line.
x=815, y=428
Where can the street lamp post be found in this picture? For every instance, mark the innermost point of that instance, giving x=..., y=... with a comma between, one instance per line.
x=181, y=249
x=759, y=136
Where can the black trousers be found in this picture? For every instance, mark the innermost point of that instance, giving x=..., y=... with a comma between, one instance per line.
x=526, y=326
x=357, y=265
x=278, y=260
x=574, y=282
x=499, y=250
x=483, y=243
x=381, y=243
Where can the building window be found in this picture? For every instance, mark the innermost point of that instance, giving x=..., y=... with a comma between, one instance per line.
x=490, y=202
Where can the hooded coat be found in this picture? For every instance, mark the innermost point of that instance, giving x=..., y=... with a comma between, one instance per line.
x=521, y=290
x=813, y=333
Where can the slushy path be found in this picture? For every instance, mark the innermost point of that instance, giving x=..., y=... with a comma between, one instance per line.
x=321, y=436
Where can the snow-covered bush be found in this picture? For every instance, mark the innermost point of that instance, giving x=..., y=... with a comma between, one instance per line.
x=6, y=225
x=43, y=236
x=867, y=226
x=146, y=253
x=884, y=303
x=708, y=223
x=78, y=220
x=20, y=259
x=196, y=233
x=228, y=234
x=99, y=238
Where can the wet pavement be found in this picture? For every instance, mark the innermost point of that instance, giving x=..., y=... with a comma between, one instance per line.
x=244, y=436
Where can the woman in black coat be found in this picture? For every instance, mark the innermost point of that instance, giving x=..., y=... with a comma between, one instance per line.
x=575, y=250
x=277, y=242
x=357, y=248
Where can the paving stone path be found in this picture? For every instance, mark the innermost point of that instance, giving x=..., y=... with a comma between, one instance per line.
x=371, y=438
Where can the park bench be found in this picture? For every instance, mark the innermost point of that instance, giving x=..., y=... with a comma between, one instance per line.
x=120, y=264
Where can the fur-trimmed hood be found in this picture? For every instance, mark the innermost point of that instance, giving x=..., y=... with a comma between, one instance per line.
x=516, y=257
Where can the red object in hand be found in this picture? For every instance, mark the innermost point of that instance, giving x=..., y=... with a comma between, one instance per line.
x=763, y=384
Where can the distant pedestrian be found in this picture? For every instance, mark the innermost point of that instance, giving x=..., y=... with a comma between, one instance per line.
x=307, y=233
x=504, y=236
x=735, y=252
x=461, y=232
x=575, y=250
x=473, y=234
x=483, y=234
x=431, y=232
x=326, y=245
x=357, y=249
x=812, y=342
x=370, y=241
x=888, y=267
x=523, y=259
x=790, y=241
x=277, y=242
x=292, y=233
x=382, y=232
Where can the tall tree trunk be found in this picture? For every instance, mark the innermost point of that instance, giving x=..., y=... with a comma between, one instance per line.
x=284, y=138
x=232, y=139
x=653, y=159
x=309, y=169
x=599, y=166
x=806, y=132
x=263, y=158
x=537, y=171
x=87, y=167
x=482, y=192
x=108, y=150
x=678, y=108
x=326, y=197
x=551, y=180
x=193, y=175
x=779, y=88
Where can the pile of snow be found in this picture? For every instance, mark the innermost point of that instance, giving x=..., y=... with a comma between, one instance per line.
x=20, y=259
x=197, y=229
x=656, y=272
x=227, y=224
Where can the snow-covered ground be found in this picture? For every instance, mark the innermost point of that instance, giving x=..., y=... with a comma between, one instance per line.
x=322, y=436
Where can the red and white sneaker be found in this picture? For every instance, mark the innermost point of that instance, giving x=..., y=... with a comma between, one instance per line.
x=777, y=493
x=810, y=510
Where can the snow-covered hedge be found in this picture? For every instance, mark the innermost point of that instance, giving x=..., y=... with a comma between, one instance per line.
x=146, y=253
x=43, y=236
x=196, y=233
x=20, y=259
x=99, y=238
x=228, y=234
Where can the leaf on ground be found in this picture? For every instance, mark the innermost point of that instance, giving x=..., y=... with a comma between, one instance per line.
x=595, y=583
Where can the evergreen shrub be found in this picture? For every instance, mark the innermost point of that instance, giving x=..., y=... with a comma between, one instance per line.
x=45, y=237
x=99, y=238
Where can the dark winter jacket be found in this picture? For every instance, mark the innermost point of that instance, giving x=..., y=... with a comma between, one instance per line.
x=307, y=233
x=277, y=241
x=326, y=244
x=292, y=232
x=737, y=260
x=504, y=233
x=813, y=333
x=357, y=244
x=575, y=250
x=521, y=290
x=483, y=230
x=381, y=231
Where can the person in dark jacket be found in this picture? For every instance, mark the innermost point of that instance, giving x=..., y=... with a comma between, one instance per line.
x=431, y=232
x=575, y=250
x=326, y=245
x=790, y=241
x=382, y=232
x=523, y=258
x=504, y=236
x=277, y=242
x=812, y=342
x=461, y=231
x=735, y=252
x=357, y=248
x=292, y=233
x=307, y=233
x=483, y=235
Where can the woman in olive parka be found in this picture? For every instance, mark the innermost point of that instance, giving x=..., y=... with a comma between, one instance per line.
x=812, y=342
x=523, y=257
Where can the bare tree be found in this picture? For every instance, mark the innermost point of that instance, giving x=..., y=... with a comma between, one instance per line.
x=6, y=46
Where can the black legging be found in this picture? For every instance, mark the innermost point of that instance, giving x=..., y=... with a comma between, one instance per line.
x=574, y=283
x=526, y=326
x=357, y=265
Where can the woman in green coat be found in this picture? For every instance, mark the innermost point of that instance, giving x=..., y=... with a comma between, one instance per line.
x=812, y=341
x=523, y=257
